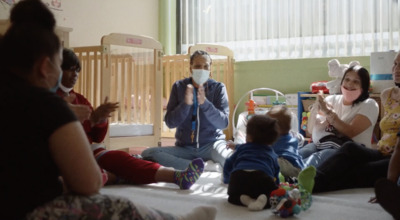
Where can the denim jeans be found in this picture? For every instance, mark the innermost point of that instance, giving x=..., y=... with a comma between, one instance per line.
x=312, y=156
x=180, y=157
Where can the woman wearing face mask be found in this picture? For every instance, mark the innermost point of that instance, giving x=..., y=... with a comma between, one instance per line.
x=42, y=140
x=355, y=166
x=198, y=109
x=341, y=118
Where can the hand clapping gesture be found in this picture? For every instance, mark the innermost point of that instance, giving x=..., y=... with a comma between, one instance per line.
x=189, y=95
x=101, y=113
x=201, y=95
x=82, y=112
x=323, y=107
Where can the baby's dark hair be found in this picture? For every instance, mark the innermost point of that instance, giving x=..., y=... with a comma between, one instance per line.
x=262, y=129
x=70, y=60
x=283, y=116
x=199, y=53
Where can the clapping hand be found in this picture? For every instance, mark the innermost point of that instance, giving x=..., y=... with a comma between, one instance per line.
x=323, y=107
x=189, y=94
x=82, y=112
x=201, y=95
x=101, y=113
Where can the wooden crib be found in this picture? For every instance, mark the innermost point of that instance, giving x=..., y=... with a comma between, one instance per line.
x=126, y=69
x=130, y=69
x=176, y=67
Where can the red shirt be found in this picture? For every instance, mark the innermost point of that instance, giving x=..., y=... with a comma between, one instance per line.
x=95, y=133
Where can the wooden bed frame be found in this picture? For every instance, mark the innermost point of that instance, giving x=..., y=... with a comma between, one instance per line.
x=126, y=69
x=176, y=67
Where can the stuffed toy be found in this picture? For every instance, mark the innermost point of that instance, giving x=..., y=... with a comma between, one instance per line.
x=291, y=199
x=336, y=71
x=285, y=201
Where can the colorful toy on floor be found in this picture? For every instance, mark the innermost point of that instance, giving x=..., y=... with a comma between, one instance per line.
x=291, y=199
x=285, y=203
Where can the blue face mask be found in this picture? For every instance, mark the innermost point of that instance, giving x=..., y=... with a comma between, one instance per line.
x=54, y=89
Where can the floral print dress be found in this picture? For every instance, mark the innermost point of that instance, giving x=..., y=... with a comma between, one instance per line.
x=389, y=125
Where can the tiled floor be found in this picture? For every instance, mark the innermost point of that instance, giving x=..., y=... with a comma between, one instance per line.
x=164, y=142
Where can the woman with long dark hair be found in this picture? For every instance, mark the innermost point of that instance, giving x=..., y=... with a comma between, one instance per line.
x=350, y=116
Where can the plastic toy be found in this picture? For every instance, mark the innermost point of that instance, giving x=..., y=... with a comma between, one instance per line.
x=319, y=86
x=285, y=203
x=251, y=105
x=289, y=200
x=304, y=120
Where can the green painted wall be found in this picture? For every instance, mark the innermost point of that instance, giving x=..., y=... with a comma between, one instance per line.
x=287, y=76
x=167, y=26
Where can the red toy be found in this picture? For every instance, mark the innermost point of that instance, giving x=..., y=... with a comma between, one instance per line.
x=319, y=85
x=251, y=105
x=285, y=201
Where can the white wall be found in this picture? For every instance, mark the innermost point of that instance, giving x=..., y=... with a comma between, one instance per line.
x=91, y=19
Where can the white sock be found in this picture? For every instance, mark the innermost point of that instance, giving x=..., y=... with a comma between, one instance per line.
x=201, y=213
x=259, y=204
x=246, y=200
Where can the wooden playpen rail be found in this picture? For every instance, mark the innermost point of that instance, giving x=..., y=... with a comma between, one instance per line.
x=126, y=69
x=130, y=84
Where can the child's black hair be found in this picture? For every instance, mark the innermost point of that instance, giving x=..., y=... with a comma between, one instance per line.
x=70, y=60
x=199, y=53
x=262, y=129
x=282, y=114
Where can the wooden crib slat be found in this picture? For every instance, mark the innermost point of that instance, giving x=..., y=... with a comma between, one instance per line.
x=96, y=80
x=136, y=93
x=148, y=92
x=89, y=82
x=133, y=85
x=128, y=97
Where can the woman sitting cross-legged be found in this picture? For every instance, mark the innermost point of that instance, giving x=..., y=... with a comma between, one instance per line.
x=44, y=140
x=356, y=166
x=341, y=118
x=121, y=167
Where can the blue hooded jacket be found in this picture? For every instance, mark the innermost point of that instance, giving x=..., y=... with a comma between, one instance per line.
x=213, y=113
x=251, y=156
